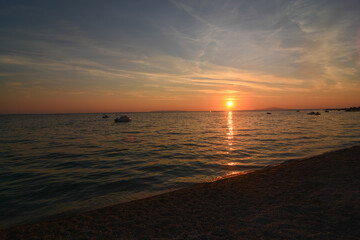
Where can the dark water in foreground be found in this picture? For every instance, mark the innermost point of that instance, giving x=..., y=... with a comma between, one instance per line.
x=53, y=164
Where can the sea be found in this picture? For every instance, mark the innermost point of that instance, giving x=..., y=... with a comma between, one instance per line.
x=59, y=164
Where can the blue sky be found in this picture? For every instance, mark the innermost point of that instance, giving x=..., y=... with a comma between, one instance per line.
x=81, y=56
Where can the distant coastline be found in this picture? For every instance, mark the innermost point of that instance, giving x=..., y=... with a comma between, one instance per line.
x=347, y=109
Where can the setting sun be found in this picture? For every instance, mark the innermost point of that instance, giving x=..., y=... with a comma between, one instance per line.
x=229, y=103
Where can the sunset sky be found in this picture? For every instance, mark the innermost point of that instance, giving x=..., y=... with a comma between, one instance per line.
x=124, y=56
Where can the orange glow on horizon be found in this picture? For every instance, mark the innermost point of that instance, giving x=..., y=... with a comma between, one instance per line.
x=41, y=102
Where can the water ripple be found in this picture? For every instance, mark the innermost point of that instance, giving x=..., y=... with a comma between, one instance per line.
x=51, y=164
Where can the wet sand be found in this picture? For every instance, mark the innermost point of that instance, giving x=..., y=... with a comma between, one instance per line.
x=313, y=198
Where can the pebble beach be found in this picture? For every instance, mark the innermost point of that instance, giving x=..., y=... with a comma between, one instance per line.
x=312, y=198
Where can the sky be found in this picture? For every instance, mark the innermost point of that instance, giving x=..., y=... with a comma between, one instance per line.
x=152, y=55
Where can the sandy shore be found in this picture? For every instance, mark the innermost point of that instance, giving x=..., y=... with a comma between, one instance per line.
x=314, y=198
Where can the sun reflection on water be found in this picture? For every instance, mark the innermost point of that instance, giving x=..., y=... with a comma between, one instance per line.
x=230, y=131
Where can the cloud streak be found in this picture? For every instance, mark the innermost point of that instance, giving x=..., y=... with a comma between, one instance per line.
x=175, y=49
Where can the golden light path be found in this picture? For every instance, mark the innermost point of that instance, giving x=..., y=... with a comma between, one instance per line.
x=230, y=133
x=230, y=138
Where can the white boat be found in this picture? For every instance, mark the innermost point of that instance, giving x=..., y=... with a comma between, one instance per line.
x=123, y=118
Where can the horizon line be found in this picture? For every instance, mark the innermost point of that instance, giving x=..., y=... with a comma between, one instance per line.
x=170, y=111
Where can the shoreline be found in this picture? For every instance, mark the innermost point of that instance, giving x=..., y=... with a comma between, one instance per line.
x=311, y=198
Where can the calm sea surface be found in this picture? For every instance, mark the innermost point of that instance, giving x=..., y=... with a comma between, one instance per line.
x=56, y=164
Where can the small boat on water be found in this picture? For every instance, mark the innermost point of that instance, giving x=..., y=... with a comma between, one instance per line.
x=123, y=118
x=313, y=113
x=105, y=116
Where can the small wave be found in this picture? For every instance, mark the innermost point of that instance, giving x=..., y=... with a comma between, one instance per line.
x=154, y=168
x=238, y=166
x=191, y=144
x=131, y=132
x=113, y=153
x=269, y=140
x=12, y=141
x=243, y=135
x=58, y=155
x=68, y=165
x=247, y=129
x=233, y=154
x=241, y=153
x=178, y=133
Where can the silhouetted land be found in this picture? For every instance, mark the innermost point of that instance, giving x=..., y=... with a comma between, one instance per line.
x=313, y=198
x=350, y=109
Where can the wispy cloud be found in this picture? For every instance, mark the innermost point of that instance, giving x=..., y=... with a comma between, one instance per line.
x=171, y=49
